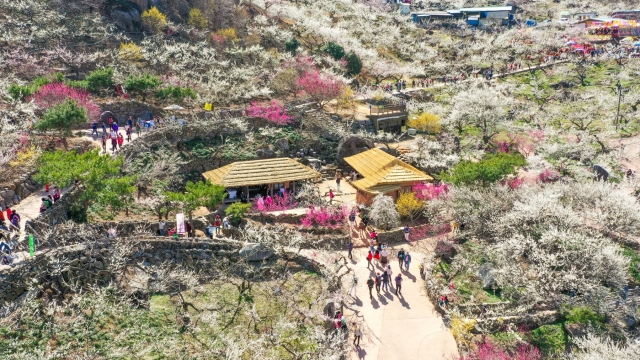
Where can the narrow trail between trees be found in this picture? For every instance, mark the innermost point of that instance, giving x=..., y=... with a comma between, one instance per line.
x=29, y=207
x=394, y=327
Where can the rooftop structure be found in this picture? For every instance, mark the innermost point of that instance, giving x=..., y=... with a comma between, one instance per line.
x=382, y=174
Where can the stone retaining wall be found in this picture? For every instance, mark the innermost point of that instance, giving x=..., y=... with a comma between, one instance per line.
x=123, y=108
x=93, y=263
x=13, y=192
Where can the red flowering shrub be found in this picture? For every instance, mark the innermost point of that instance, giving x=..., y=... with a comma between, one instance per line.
x=275, y=203
x=487, y=351
x=325, y=217
x=548, y=176
x=273, y=113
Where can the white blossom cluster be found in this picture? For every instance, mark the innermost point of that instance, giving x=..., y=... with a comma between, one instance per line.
x=541, y=240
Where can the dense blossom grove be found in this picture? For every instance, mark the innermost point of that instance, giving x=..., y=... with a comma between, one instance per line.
x=523, y=131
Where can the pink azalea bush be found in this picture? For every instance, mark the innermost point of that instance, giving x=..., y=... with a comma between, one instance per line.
x=430, y=191
x=53, y=94
x=513, y=183
x=488, y=351
x=277, y=203
x=273, y=113
x=332, y=218
x=548, y=176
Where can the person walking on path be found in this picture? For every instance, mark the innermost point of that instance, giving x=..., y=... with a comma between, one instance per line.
x=138, y=128
x=331, y=195
x=94, y=128
x=407, y=231
x=370, y=284
x=188, y=228
x=399, y=284
x=407, y=261
x=485, y=310
x=120, y=140
x=216, y=225
x=14, y=221
x=357, y=335
x=338, y=179
x=104, y=129
x=400, y=258
x=352, y=218
x=369, y=258
x=378, y=280
x=385, y=281
x=350, y=249
x=162, y=226
x=104, y=143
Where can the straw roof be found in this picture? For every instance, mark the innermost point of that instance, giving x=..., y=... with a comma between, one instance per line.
x=382, y=172
x=260, y=172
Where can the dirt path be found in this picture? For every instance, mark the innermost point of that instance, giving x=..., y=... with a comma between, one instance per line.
x=394, y=327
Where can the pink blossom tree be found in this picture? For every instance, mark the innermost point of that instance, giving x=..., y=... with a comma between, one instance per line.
x=273, y=113
x=430, y=191
x=321, y=88
x=53, y=94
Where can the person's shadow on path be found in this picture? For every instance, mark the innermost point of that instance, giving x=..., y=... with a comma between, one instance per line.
x=409, y=276
x=383, y=301
x=403, y=302
x=389, y=296
x=357, y=301
x=374, y=303
x=361, y=353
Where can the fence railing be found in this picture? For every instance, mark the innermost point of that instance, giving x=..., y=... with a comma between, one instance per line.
x=376, y=110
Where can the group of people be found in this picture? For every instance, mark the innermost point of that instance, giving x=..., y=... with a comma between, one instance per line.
x=13, y=219
x=115, y=137
x=214, y=229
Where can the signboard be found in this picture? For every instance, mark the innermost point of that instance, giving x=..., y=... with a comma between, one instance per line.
x=32, y=246
x=180, y=228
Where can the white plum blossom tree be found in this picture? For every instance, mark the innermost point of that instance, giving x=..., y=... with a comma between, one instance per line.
x=383, y=212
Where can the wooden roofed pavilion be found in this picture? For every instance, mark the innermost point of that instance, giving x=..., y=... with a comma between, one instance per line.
x=261, y=176
x=382, y=174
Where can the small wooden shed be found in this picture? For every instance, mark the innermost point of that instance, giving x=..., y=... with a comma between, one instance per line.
x=382, y=174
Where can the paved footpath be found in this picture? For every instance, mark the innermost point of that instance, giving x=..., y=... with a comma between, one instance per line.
x=403, y=327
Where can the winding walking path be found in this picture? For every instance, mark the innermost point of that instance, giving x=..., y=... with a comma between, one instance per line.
x=403, y=327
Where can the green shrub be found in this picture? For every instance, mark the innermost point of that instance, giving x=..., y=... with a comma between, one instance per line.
x=141, y=84
x=63, y=118
x=100, y=79
x=634, y=262
x=334, y=50
x=78, y=84
x=492, y=168
x=237, y=211
x=550, y=339
x=584, y=315
x=354, y=64
x=177, y=93
x=292, y=46
x=19, y=92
